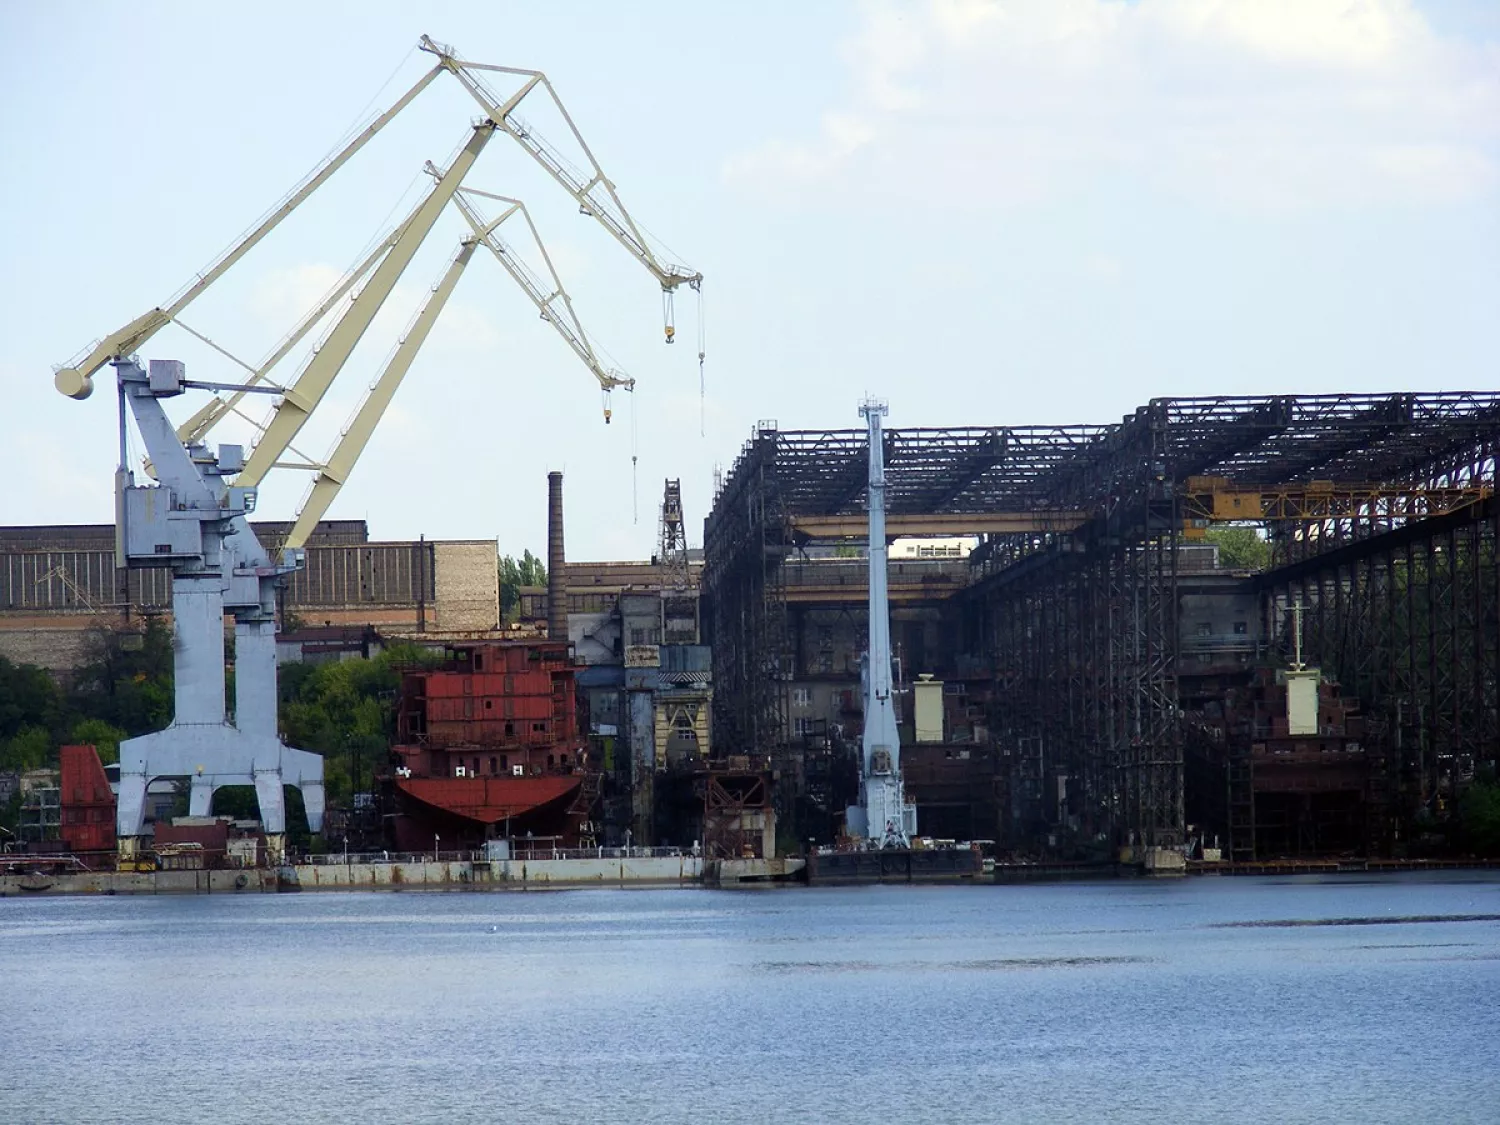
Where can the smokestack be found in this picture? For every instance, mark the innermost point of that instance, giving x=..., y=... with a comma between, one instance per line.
x=557, y=585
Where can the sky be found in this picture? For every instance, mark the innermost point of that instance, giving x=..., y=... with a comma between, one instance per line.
x=1017, y=212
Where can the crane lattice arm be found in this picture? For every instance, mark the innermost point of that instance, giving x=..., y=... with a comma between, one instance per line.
x=353, y=438
x=76, y=379
x=555, y=306
x=379, y=271
x=593, y=190
x=196, y=428
x=301, y=399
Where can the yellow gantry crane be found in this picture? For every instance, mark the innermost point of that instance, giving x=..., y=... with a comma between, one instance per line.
x=380, y=271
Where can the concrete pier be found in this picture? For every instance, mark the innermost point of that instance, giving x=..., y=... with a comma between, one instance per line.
x=419, y=875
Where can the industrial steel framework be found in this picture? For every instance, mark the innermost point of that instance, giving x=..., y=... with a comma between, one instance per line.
x=789, y=488
x=1381, y=517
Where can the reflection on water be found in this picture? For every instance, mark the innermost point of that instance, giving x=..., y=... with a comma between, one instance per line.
x=1193, y=1000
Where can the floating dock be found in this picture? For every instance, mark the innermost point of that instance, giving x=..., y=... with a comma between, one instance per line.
x=894, y=865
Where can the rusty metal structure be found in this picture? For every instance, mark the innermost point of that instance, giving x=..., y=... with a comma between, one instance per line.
x=737, y=812
x=1380, y=514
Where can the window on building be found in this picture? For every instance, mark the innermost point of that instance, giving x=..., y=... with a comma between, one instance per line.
x=1241, y=628
x=801, y=697
x=1205, y=629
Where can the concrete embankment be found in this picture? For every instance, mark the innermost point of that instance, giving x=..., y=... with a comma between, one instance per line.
x=480, y=875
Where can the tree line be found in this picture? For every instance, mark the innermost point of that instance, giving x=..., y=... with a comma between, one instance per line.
x=343, y=710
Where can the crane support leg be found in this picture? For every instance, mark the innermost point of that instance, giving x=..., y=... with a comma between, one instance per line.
x=196, y=521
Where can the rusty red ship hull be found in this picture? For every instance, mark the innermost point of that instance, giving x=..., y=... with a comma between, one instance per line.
x=489, y=746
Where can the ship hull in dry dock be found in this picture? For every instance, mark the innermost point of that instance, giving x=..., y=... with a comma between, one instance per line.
x=463, y=812
x=489, y=746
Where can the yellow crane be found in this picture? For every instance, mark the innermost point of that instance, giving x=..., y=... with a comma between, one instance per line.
x=596, y=196
x=380, y=271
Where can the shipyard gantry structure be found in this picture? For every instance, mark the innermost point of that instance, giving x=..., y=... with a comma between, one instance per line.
x=1113, y=666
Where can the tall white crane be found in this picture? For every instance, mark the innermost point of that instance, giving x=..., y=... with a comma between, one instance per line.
x=195, y=519
x=882, y=819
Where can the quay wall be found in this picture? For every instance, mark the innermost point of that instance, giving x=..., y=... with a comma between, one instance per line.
x=517, y=874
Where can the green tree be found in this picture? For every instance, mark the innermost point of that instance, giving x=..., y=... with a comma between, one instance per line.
x=528, y=571
x=345, y=710
x=126, y=678
x=29, y=748
x=101, y=735
x=1241, y=547
x=28, y=698
x=1479, y=817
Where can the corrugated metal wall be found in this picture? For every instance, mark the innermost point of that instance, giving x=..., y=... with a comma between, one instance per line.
x=392, y=574
x=365, y=574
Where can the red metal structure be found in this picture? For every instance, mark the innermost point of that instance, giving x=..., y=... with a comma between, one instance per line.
x=87, y=803
x=488, y=745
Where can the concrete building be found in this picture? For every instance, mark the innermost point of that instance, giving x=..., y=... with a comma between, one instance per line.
x=647, y=682
x=58, y=583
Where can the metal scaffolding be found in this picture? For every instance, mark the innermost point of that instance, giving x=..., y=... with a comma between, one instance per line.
x=1381, y=518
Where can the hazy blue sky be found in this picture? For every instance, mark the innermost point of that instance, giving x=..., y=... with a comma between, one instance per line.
x=1039, y=211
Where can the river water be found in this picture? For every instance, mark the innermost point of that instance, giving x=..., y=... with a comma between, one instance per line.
x=1308, y=999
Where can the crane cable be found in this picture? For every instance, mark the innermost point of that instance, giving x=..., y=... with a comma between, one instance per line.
x=635, y=506
x=702, y=351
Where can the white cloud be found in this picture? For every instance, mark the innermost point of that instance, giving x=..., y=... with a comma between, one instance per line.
x=1260, y=103
x=1103, y=267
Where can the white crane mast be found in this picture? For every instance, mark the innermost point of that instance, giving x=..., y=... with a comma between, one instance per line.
x=882, y=819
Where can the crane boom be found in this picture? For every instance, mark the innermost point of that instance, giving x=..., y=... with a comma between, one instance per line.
x=76, y=379
x=356, y=434
x=565, y=320
x=595, y=194
x=379, y=272
x=302, y=398
x=197, y=427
